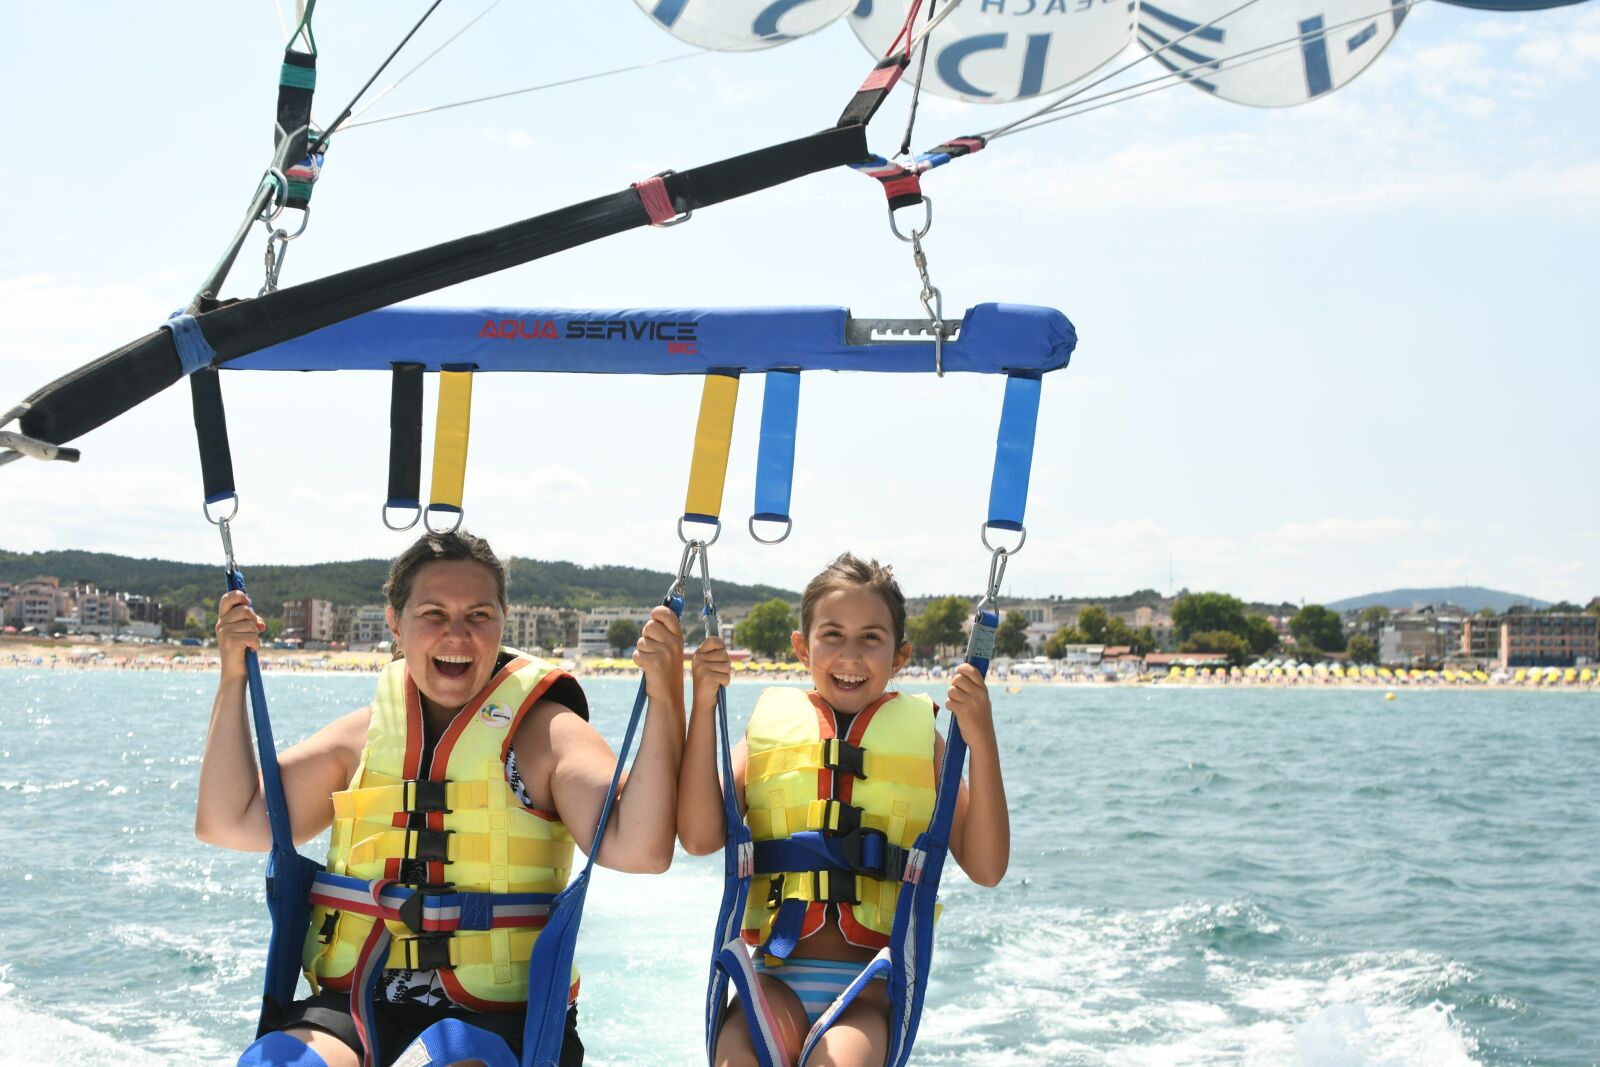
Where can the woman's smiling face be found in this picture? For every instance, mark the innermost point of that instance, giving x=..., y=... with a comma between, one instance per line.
x=450, y=631
x=850, y=648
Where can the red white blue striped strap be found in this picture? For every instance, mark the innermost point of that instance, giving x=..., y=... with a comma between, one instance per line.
x=430, y=912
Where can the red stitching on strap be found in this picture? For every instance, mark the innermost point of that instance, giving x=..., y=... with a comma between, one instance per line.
x=909, y=184
x=883, y=77
x=657, y=204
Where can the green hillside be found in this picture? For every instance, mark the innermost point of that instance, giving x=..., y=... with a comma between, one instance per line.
x=553, y=583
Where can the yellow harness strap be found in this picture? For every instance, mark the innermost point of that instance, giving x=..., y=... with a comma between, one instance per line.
x=450, y=440
x=465, y=950
x=902, y=770
x=383, y=800
x=466, y=848
x=713, y=437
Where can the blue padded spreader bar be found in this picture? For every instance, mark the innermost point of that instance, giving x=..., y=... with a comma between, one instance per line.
x=1013, y=452
x=994, y=339
x=780, y=411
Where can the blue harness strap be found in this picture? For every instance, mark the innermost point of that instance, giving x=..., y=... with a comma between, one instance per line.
x=289, y=874
x=780, y=410
x=278, y=1049
x=1013, y=451
x=453, y=1041
x=550, y=966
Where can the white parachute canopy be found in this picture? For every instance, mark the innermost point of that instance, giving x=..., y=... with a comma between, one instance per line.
x=996, y=51
x=742, y=25
x=1272, y=53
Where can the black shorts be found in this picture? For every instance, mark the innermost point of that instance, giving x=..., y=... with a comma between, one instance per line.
x=398, y=1025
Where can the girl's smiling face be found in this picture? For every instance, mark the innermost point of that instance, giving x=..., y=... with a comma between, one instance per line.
x=850, y=648
x=450, y=631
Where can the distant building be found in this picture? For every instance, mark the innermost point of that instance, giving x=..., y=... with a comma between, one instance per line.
x=528, y=626
x=1480, y=639
x=593, y=626
x=1159, y=624
x=343, y=625
x=100, y=613
x=1549, y=640
x=370, y=628
x=309, y=620
x=1420, y=638
x=38, y=602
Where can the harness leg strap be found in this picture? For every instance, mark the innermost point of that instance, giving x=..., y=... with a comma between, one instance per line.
x=278, y=1049
x=453, y=1040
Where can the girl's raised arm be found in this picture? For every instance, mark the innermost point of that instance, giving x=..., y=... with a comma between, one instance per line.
x=701, y=824
x=980, y=837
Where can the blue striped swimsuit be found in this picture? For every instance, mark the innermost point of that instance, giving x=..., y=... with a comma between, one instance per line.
x=815, y=982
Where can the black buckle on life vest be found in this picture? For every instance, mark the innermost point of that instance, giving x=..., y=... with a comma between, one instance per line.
x=841, y=818
x=427, y=952
x=426, y=795
x=775, y=891
x=845, y=758
x=834, y=887
x=870, y=852
x=330, y=927
x=429, y=846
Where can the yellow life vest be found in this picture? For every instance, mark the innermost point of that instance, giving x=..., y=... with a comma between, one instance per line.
x=469, y=832
x=800, y=777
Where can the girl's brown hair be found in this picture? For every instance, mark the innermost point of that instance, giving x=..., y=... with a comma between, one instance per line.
x=852, y=572
x=432, y=547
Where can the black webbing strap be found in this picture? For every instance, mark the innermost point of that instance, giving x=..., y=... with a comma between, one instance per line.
x=93, y=395
x=296, y=83
x=873, y=92
x=211, y=433
x=405, y=437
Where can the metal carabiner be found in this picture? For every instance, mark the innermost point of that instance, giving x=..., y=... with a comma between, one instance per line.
x=685, y=565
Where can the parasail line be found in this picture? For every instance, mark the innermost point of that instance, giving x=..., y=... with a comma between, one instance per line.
x=916, y=89
x=1180, y=75
x=327, y=133
x=530, y=89
x=1071, y=94
x=933, y=23
x=368, y=106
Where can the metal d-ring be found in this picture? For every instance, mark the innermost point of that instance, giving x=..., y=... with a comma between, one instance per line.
x=788, y=527
x=416, y=514
x=716, y=532
x=922, y=231
x=427, y=524
x=983, y=533
x=206, y=509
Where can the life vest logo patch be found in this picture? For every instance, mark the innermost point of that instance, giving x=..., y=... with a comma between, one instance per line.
x=494, y=715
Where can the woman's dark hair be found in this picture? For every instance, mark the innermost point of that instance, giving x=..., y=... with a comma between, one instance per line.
x=432, y=547
x=851, y=572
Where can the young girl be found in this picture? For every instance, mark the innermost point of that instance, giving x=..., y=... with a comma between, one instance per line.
x=852, y=640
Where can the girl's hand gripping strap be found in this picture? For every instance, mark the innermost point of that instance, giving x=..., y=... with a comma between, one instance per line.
x=550, y=966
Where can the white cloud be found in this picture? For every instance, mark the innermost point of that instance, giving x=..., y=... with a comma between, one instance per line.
x=1299, y=536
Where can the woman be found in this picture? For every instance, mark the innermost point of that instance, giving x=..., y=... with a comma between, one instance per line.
x=528, y=778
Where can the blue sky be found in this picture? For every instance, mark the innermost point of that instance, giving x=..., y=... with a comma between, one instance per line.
x=1323, y=350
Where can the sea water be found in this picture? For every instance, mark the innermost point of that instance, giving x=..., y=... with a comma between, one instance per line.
x=1198, y=876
